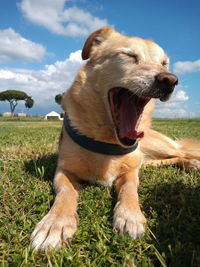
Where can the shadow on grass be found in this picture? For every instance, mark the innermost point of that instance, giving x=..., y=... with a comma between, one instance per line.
x=174, y=210
x=43, y=167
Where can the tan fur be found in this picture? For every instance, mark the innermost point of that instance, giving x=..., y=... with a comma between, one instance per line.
x=159, y=149
x=86, y=103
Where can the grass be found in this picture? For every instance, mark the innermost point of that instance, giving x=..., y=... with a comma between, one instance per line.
x=169, y=197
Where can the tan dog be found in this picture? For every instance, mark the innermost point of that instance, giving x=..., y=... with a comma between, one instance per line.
x=110, y=101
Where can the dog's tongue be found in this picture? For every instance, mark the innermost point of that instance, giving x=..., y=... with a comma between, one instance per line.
x=129, y=119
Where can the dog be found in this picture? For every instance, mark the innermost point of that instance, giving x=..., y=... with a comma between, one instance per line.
x=107, y=135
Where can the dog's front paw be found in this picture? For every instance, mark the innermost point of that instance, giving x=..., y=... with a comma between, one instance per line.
x=192, y=164
x=52, y=231
x=129, y=221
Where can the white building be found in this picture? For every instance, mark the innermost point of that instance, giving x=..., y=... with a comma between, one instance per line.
x=7, y=114
x=52, y=116
x=21, y=115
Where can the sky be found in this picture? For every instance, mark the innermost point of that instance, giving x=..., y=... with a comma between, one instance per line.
x=41, y=42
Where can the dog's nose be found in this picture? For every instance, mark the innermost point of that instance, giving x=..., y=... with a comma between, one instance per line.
x=166, y=81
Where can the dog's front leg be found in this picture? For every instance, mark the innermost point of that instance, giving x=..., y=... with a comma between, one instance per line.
x=60, y=222
x=127, y=214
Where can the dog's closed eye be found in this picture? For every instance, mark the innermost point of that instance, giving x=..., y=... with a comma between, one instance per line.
x=131, y=55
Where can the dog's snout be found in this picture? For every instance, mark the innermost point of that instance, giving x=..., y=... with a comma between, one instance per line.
x=166, y=81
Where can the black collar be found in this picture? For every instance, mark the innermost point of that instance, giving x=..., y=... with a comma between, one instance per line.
x=93, y=145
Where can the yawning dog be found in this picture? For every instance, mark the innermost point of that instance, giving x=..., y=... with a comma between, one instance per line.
x=106, y=134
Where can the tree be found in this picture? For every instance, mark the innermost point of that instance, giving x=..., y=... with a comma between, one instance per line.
x=58, y=98
x=29, y=102
x=13, y=96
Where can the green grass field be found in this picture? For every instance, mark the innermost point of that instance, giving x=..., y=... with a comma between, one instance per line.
x=170, y=199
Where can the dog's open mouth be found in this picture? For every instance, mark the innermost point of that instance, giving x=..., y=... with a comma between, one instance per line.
x=126, y=109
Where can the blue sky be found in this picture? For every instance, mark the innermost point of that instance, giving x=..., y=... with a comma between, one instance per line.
x=41, y=42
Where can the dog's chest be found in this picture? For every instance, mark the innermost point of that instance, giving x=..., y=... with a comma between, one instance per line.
x=107, y=170
x=95, y=167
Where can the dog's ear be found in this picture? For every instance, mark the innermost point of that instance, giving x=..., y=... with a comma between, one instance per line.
x=95, y=39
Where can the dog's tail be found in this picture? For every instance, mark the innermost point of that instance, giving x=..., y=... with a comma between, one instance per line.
x=159, y=149
x=190, y=147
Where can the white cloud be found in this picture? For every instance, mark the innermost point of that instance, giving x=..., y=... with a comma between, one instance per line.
x=180, y=96
x=54, y=16
x=175, y=113
x=14, y=47
x=175, y=107
x=182, y=67
x=43, y=84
